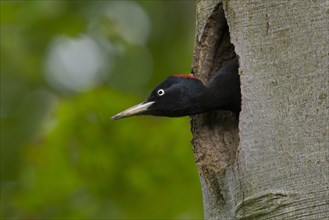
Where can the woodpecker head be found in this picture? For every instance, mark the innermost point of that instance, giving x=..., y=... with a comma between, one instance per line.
x=173, y=97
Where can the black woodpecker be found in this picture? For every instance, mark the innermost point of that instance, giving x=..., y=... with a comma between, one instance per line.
x=182, y=95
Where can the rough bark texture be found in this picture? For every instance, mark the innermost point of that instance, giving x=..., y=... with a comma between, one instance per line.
x=280, y=168
x=215, y=135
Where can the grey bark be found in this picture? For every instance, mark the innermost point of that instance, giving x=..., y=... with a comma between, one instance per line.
x=274, y=164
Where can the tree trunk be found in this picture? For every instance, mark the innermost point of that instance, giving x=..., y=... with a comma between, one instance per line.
x=276, y=164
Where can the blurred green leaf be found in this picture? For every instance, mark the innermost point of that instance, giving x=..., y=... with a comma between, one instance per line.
x=61, y=155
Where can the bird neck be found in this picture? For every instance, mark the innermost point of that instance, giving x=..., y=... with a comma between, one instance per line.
x=211, y=100
x=200, y=104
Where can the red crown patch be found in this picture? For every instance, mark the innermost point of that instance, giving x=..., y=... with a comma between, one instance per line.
x=184, y=76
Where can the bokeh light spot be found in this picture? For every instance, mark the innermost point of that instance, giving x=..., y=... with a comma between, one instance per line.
x=74, y=64
x=134, y=28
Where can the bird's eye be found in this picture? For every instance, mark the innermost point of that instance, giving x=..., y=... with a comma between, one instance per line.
x=161, y=92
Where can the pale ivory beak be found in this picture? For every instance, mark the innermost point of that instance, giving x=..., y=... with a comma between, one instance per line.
x=135, y=110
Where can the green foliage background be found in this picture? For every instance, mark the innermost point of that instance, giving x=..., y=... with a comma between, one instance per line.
x=61, y=155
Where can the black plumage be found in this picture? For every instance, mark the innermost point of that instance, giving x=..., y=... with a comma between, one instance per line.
x=180, y=95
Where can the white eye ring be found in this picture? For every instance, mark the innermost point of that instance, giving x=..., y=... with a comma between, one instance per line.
x=161, y=92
